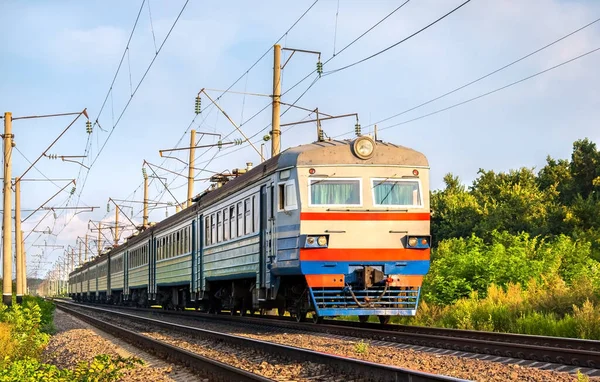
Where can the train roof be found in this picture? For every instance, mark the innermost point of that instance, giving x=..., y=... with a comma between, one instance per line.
x=317, y=153
x=340, y=152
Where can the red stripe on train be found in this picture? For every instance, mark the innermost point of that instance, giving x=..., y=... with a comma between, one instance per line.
x=363, y=254
x=384, y=216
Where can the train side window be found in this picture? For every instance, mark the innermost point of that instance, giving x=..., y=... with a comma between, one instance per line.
x=232, y=221
x=226, y=224
x=287, y=196
x=248, y=215
x=240, y=219
x=219, y=227
x=213, y=229
x=185, y=240
x=207, y=230
x=256, y=212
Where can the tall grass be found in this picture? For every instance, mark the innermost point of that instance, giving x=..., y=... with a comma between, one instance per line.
x=548, y=307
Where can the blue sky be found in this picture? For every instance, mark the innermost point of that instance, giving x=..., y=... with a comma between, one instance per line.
x=61, y=56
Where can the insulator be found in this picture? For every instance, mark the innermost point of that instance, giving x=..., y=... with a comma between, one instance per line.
x=219, y=144
x=54, y=213
x=238, y=141
x=320, y=136
x=198, y=105
x=72, y=190
x=132, y=213
x=144, y=174
x=107, y=207
x=357, y=129
x=319, y=68
x=166, y=212
x=267, y=137
x=88, y=127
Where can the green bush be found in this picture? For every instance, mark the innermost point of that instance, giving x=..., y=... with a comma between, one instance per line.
x=25, y=322
x=102, y=369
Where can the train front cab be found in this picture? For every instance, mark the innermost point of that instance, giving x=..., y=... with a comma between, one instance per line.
x=364, y=238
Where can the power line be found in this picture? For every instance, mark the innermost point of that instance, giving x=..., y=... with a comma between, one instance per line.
x=399, y=42
x=140, y=83
x=492, y=91
x=487, y=75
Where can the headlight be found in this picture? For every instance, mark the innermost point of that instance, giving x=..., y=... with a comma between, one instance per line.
x=310, y=240
x=364, y=147
x=412, y=242
x=322, y=241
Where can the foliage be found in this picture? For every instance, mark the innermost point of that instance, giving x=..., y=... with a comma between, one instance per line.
x=23, y=335
x=361, y=347
x=47, y=312
x=102, y=369
x=25, y=323
x=518, y=251
x=547, y=308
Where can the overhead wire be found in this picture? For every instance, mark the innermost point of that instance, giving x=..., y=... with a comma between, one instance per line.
x=399, y=42
x=487, y=75
x=492, y=91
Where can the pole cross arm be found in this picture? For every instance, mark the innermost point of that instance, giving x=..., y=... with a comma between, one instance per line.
x=52, y=197
x=233, y=123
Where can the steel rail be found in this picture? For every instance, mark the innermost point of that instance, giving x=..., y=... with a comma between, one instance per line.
x=565, y=351
x=205, y=366
x=361, y=369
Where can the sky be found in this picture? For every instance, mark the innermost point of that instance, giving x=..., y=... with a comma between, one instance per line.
x=62, y=56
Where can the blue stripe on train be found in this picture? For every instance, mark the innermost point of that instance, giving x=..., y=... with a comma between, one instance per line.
x=416, y=267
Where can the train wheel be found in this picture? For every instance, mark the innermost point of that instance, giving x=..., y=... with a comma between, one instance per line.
x=281, y=312
x=316, y=319
x=300, y=316
x=384, y=320
x=363, y=319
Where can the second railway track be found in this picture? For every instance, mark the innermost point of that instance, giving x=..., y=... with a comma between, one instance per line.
x=543, y=349
x=334, y=367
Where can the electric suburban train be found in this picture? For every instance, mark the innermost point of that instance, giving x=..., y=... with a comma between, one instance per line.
x=331, y=228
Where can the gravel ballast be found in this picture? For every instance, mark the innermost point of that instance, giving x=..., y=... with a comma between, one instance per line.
x=455, y=366
x=76, y=341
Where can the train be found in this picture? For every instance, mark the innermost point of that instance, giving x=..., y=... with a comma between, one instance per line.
x=332, y=228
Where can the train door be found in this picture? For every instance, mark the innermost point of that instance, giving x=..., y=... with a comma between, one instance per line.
x=194, y=275
x=267, y=237
x=152, y=269
x=126, y=275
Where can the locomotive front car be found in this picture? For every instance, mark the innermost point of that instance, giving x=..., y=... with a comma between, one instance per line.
x=362, y=244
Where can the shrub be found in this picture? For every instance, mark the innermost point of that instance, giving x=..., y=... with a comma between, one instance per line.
x=361, y=347
x=7, y=344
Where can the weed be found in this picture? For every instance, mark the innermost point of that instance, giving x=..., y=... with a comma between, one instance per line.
x=361, y=347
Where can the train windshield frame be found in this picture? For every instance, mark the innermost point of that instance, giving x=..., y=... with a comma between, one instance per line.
x=400, y=193
x=335, y=192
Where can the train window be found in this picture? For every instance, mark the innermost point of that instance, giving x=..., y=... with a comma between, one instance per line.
x=287, y=196
x=219, y=227
x=185, y=240
x=396, y=192
x=335, y=192
x=232, y=221
x=226, y=224
x=256, y=214
x=213, y=229
x=207, y=230
x=240, y=219
x=248, y=215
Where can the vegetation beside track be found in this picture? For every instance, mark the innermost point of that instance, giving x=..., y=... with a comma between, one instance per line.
x=25, y=330
x=518, y=251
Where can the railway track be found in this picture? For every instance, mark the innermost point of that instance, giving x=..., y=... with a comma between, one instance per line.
x=540, y=351
x=343, y=367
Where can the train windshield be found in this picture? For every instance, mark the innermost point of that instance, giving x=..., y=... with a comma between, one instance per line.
x=335, y=192
x=396, y=192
